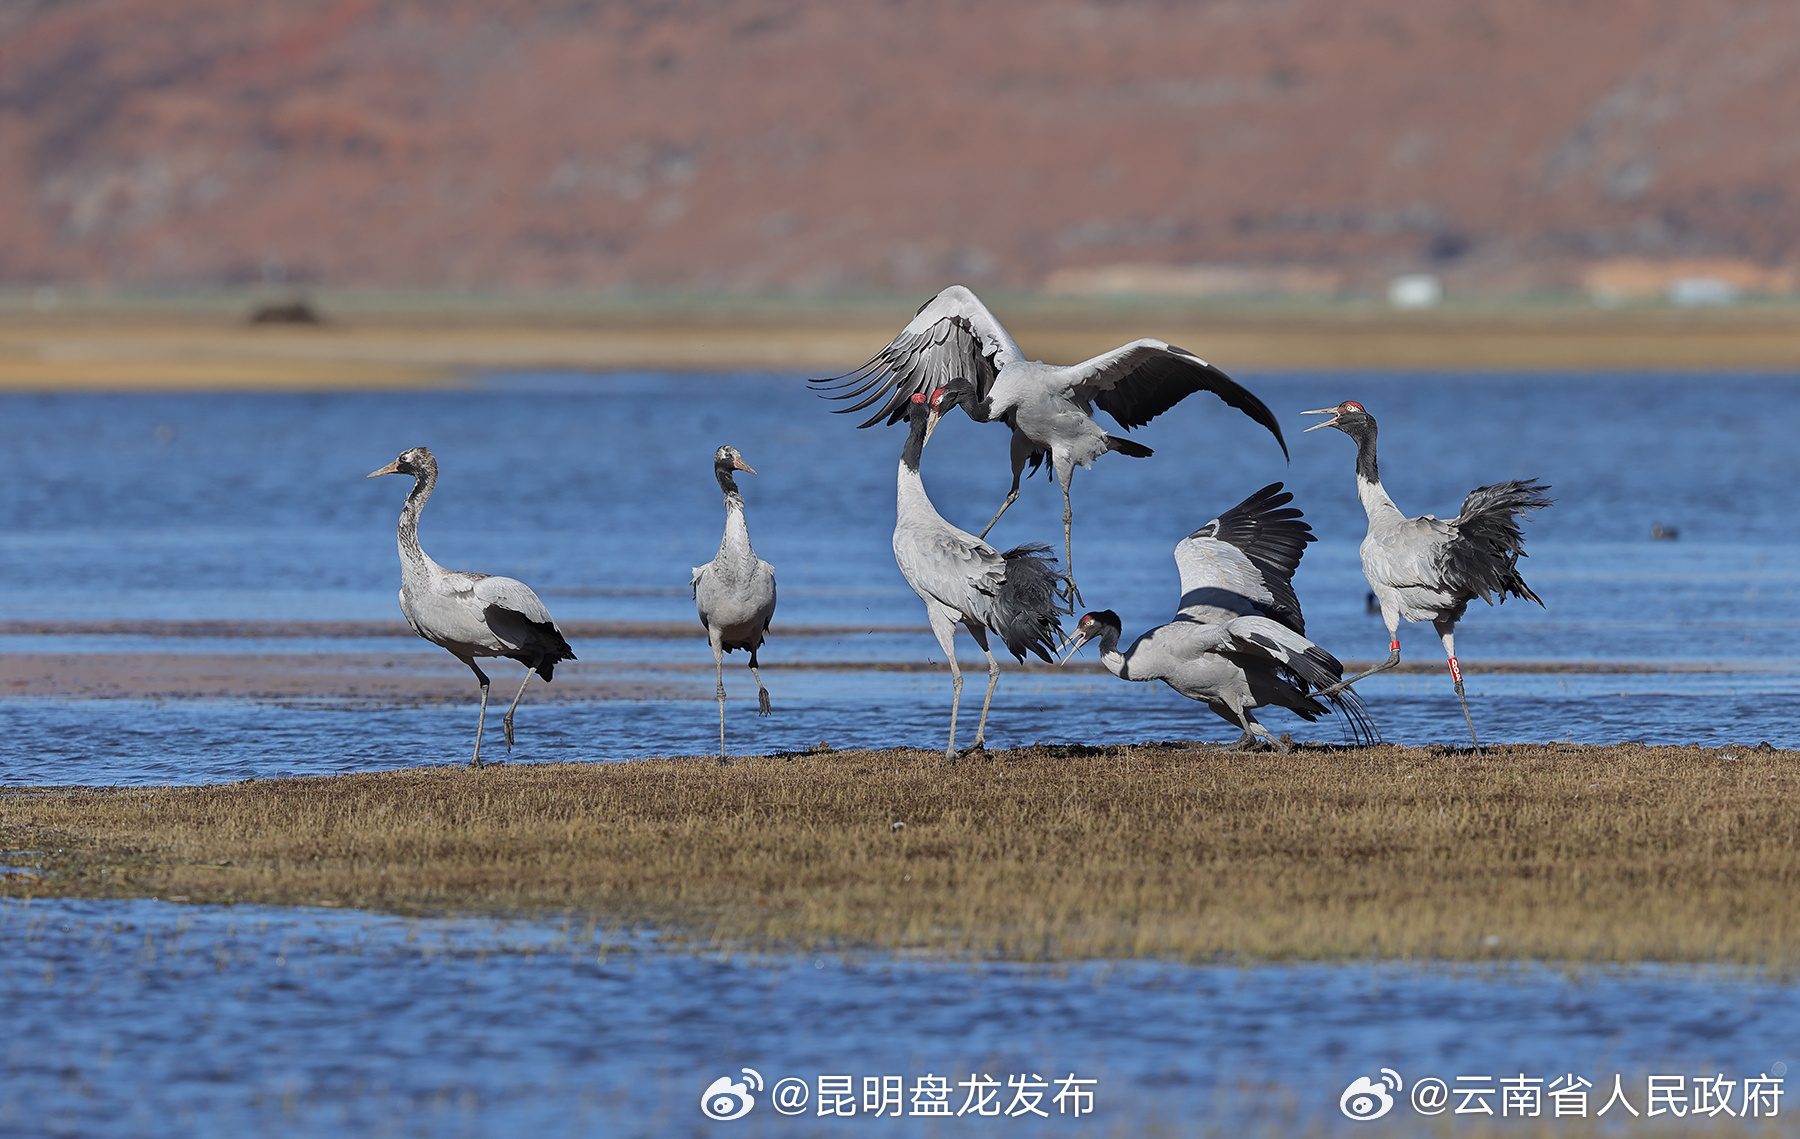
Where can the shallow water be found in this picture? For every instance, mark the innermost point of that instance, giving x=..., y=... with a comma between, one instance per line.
x=144, y=1018
x=598, y=491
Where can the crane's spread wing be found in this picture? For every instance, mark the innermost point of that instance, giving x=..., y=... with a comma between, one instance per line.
x=1138, y=382
x=1243, y=561
x=1274, y=642
x=1483, y=555
x=953, y=335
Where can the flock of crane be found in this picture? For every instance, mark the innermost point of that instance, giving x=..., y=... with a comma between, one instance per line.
x=1238, y=640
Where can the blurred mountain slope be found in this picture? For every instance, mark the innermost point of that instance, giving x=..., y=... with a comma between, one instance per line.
x=829, y=144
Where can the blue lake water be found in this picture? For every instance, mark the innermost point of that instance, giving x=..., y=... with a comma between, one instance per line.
x=597, y=490
x=148, y=1019
x=145, y=1018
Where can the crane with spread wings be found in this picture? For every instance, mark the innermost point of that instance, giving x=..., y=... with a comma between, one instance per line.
x=1238, y=641
x=955, y=343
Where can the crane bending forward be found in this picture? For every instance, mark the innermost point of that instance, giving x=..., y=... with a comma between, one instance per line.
x=955, y=342
x=1238, y=641
x=963, y=580
x=470, y=614
x=735, y=592
x=1427, y=569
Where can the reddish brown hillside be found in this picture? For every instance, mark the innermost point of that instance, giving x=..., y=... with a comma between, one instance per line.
x=749, y=144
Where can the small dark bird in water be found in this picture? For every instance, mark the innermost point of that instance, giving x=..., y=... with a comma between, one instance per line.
x=1664, y=533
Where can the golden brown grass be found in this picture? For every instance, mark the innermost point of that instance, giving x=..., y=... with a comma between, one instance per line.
x=1559, y=852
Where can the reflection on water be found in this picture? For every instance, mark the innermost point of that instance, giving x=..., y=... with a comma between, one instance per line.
x=146, y=1019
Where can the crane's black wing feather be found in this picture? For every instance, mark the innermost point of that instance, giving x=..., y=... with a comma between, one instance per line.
x=1138, y=382
x=953, y=336
x=1483, y=556
x=1271, y=535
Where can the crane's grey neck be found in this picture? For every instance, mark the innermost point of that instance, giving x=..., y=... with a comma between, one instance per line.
x=410, y=551
x=735, y=551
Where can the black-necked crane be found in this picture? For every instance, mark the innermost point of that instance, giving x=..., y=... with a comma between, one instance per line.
x=1237, y=641
x=1428, y=569
x=963, y=580
x=955, y=342
x=735, y=592
x=470, y=614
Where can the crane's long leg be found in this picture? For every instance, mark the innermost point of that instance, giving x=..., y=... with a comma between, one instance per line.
x=763, y=707
x=1069, y=538
x=719, y=663
x=980, y=743
x=481, y=717
x=1011, y=497
x=506, y=721
x=1447, y=630
x=1021, y=453
x=945, y=630
x=1393, y=628
x=1254, y=728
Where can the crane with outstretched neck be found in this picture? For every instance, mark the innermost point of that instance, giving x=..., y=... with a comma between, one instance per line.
x=963, y=580
x=1427, y=568
x=735, y=592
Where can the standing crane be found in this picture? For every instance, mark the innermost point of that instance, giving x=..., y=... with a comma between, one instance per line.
x=1238, y=639
x=1426, y=569
x=735, y=592
x=955, y=342
x=470, y=614
x=963, y=580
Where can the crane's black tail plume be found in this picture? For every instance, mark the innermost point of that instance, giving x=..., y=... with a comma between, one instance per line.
x=1483, y=558
x=1127, y=448
x=1027, y=605
x=1357, y=724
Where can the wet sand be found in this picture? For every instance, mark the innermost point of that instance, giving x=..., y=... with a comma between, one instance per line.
x=428, y=676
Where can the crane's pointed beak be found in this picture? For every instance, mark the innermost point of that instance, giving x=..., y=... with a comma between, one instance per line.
x=1074, y=646
x=392, y=468
x=740, y=465
x=1331, y=411
x=931, y=422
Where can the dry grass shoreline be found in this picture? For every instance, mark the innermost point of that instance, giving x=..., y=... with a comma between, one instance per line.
x=1555, y=852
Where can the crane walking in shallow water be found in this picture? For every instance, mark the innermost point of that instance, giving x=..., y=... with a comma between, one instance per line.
x=962, y=579
x=1427, y=569
x=735, y=592
x=955, y=342
x=1237, y=641
x=470, y=614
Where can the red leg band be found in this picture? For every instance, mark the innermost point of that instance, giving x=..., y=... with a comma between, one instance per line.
x=1393, y=646
x=1455, y=673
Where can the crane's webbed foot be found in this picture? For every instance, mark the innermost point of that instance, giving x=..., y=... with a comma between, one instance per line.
x=979, y=745
x=763, y=707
